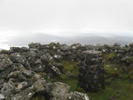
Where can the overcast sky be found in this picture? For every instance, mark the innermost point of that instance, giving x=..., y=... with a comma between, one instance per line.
x=66, y=17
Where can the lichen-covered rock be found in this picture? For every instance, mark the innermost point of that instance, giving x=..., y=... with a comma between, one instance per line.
x=23, y=70
x=59, y=88
x=21, y=86
x=26, y=94
x=41, y=86
x=60, y=91
x=77, y=96
x=8, y=90
x=76, y=46
x=17, y=75
x=2, y=97
x=46, y=57
x=4, y=61
x=14, y=49
x=34, y=45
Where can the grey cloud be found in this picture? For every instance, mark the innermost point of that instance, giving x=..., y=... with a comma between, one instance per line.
x=36, y=15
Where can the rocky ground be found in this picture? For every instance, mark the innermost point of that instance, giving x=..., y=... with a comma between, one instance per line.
x=51, y=72
x=23, y=74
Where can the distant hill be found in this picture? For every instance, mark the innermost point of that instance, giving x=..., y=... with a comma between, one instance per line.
x=101, y=40
x=45, y=38
x=28, y=38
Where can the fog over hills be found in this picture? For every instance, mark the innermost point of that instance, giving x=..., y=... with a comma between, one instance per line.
x=25, y=39
x=65, y=21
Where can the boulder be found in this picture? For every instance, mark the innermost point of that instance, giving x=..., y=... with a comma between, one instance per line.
x=76, y=46
x=21, y=86
x=26, y=94
x=77, y=96
x=58, y=90
x=4, y=61
x=8, y=89
x=17, y=58
x=34, y=45
x=14, y=49
x=41, y=86
x=2, y=97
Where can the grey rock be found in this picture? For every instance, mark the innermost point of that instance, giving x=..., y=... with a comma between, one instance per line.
x=2, y=97
x=41, y=86
x=65, y=47
x=17, y=58
x=2, y=56
x=39, y=68
x=14, y=49
x=76, y=46
x=32, y=53
x=26, y=94
x=69, y=74
x=8, y=89
x=1, y=81
x=36, y=77
x=117, y=44
x=56, y=70
x=4, y=62
x=17, y=75
x=38, y=61
x=59, y=66
x=131, y=44
x=20, y=67
x=44, y=58
x=21, y=86
x=58, y=89
x=34, y=45
x=24, y=49
x=77, y=96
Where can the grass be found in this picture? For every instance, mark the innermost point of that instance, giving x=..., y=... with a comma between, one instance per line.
x=109, y=56
x=38, y=98
x=69, y=66
x=120, y=88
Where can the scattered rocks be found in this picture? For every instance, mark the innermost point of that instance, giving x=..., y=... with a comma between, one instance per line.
x=23, y=70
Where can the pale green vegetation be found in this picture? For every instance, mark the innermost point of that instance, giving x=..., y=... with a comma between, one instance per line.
x=118, y=84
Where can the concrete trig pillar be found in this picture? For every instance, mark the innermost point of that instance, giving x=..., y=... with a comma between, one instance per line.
x=91, y=71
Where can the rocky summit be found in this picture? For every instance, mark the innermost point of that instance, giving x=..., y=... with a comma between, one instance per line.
x=24, y=73
x=61, y=72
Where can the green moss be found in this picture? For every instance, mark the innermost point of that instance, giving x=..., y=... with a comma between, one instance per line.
x=110, y=71
x=131, y=59
x=130, y=76
x=79, y=89
x=109, y=56
x=71, y=66
x=4, y=51
x=38, y=98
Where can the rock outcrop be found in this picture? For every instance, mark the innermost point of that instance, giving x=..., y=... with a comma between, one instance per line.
x=24, y=73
